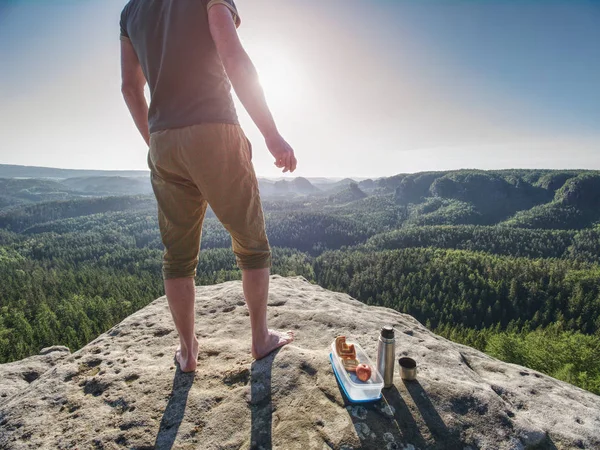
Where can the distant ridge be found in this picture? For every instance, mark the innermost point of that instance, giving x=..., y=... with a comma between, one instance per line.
x=16, y=171
x=20, y=171
x=348, y=194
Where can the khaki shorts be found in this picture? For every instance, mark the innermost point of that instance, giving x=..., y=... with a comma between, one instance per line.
x=200, y=165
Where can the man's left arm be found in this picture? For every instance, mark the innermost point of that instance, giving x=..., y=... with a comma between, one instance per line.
x=133, y=82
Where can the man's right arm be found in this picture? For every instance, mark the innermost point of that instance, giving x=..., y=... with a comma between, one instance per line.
x=245, y=81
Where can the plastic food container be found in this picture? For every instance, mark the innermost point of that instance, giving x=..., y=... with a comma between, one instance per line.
x=357, y=391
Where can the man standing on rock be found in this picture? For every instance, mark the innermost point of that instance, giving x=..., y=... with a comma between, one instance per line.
x=187, y=52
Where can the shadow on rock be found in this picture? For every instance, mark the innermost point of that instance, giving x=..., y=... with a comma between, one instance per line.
x=175, y=410
x=405, y=425
x=440, y=433
x=385, y=424
x=261, y=405
x=395, y=423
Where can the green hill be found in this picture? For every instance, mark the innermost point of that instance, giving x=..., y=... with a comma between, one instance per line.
x=506, y=261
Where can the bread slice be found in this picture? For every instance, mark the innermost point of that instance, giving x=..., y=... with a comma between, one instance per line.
x=344, y=350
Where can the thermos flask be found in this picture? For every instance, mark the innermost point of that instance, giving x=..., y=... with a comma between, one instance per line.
x=386, y=355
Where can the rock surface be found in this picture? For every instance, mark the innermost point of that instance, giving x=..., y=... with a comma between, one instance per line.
x=123, y=390
x=16, y=376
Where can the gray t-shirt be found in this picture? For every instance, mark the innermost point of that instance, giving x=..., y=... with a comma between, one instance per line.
x=187, y=81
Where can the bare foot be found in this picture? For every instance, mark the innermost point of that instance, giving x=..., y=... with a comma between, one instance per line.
x=274, y=340
x=187, y=360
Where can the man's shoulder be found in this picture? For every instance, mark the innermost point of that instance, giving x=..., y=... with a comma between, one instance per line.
x=123, y=20
x=130, y=7
x=128, y=14
x=126, y=8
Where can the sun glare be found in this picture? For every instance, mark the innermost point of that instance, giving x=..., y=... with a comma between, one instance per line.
x=280, y=78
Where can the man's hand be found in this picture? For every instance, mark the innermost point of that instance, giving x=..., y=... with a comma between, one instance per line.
x=282, y=152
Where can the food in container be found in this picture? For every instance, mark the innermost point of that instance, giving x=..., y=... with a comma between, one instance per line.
x=356, y=390
x=363, y=372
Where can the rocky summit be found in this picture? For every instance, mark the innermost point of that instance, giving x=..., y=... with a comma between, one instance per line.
x=123, y=390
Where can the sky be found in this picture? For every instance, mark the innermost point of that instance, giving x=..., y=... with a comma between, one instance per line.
x=359, y=88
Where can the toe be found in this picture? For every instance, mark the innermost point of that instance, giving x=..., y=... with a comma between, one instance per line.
x=178, y=356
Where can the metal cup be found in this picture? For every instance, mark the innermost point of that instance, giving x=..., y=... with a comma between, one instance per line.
x=408, y=369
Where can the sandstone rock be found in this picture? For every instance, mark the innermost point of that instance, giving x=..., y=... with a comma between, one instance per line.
x=15, y=377
x=123, y=390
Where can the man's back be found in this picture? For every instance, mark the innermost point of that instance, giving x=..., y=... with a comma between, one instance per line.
x=187, y=81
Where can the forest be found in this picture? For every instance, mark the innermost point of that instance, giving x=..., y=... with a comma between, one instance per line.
x=504, y=261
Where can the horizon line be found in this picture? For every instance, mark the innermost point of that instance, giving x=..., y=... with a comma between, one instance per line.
x=284, y=176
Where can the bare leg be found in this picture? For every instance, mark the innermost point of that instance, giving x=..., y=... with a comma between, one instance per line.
x=181, y=298
x=256, y=291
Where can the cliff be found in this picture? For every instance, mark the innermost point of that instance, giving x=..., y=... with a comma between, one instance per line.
x=123, y=389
